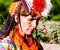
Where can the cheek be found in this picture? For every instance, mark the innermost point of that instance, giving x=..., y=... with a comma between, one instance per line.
x=30, y=29
x=34, y=24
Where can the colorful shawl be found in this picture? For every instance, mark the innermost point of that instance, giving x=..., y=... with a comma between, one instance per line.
x=6, y=44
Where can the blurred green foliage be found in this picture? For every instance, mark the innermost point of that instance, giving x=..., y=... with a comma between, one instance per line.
x=4, y=7
x=55, y=11
x=52, y=38
x=55, y=7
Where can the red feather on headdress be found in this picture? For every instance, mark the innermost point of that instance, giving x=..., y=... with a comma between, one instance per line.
x=38, y=5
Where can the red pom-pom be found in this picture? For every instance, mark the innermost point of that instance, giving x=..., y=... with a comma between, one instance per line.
x=38, y=5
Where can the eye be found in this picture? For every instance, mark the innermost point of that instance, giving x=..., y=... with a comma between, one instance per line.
x=29, y=17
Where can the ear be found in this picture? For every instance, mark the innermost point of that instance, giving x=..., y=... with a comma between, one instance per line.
x=16, y=18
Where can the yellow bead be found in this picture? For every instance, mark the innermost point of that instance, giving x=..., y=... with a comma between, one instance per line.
x=11, y=7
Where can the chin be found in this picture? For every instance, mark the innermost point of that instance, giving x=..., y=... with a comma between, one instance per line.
x=28, y=33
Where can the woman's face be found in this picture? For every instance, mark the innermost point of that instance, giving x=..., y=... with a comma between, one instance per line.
x=27, y=24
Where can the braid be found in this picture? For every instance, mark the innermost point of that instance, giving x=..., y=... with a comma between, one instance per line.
x=7, y=27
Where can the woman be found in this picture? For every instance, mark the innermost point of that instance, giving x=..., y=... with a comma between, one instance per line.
x=21, y=22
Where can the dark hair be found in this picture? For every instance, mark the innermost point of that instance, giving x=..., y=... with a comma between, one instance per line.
x=8, y=26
